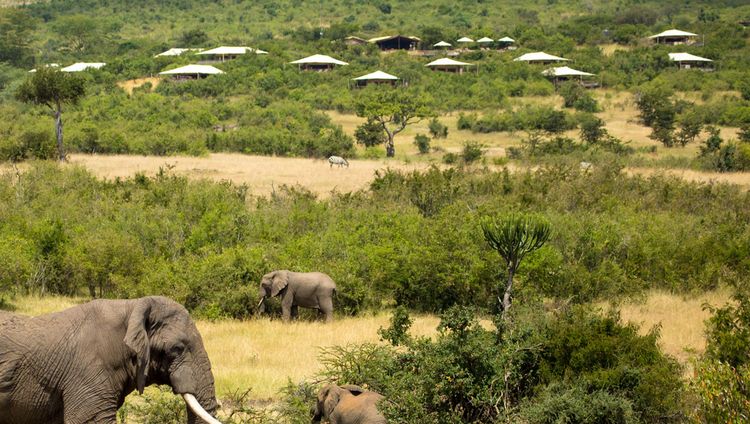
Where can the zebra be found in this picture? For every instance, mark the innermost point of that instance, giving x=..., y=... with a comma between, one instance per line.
x=337, y=160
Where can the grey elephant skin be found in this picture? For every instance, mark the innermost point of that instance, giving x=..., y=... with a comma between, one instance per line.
x=77, y=366
x=306, y=289
x=348, y=404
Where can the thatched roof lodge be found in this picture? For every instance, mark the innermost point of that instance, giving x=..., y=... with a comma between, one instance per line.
x=318, y=62
x=192, y=72
x=354, y=41
x=396, y=42
x=448, y=65
x=674, y=36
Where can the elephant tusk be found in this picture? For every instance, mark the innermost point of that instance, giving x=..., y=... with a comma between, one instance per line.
x=261, y=301
x=196, y=407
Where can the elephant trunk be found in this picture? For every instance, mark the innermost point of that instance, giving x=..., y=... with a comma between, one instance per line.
x=194, y=381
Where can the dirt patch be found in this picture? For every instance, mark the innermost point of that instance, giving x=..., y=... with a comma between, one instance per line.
x=129, y=85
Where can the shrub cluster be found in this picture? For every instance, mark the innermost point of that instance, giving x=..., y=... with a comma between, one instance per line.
x=571, y=366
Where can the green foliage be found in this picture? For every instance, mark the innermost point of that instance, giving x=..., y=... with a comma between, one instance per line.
x=658, y=112
x=423, y=143
x=50, y=87
x=575, y=96
x=16, y=28
x=728, y=332
x=471, y=152
x=370, y=133
x=612, y=373
x=398, y=332
x=437, y=130
x=206, y=244
x=592, y=128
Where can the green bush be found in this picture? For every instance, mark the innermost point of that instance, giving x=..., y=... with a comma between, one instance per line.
x=423, y=143
x=437, y=130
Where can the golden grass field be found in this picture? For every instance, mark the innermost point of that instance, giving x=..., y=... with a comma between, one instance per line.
x=263, y=355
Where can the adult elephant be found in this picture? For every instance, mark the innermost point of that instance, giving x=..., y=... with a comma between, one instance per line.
x=307, y=289
x=77, y=366
x=348, y=404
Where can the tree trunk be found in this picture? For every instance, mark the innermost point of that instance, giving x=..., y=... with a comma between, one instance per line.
x=508, y=288
x=59, y=131
x=390, y=148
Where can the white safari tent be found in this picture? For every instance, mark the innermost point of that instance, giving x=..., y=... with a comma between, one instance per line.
x=465, y=40
x=192, y=72
x=82, y=66
x=673, y=36
x=228, y=52
x=448, y=65
x=318, y=62
x=442, y=44
x=687, y=61
x=540, y=57
x=175, y=51
x=377, y=77
x=564, y=73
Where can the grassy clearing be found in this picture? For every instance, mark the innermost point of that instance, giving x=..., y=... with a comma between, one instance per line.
x=263, y=354
x=262, y=174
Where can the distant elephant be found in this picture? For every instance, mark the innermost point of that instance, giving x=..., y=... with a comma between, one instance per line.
x=348, y=404
x=77, y=366
x=307, y=289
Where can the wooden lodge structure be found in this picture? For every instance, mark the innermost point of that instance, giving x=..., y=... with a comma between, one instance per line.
x=396, y=42
x=318, y=62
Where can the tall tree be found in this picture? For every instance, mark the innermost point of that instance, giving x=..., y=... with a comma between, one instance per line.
x=53, y=89
x=393, y=109
x=513, y=237
x=16, y=31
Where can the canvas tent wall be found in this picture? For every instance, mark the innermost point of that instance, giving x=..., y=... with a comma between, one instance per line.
x=448, y=65
x=396, y=42
x=192, y=72
x=377, y=77
x=317, y=62
x=689, y=61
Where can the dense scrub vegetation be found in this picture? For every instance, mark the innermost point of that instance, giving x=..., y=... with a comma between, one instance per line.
x=412, y=239
x=182, y=116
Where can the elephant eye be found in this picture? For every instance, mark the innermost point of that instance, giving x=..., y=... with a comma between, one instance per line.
x=177, y=350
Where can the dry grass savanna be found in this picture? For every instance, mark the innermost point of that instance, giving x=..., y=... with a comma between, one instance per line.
x=129, y=85
x=263, y=354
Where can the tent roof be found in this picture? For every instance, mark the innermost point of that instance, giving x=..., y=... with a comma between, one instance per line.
x=48, y=65
x=465, y=40
x=448, y=62
x=377, y=75
x=687, y=57
x=193, y=70
x=231, y=50
x=441, y=44
x=175, y=51
x=319, y=59
x=538, y=57
x=389, y=37
x=506, y=40
x=674, y=33
x=564, y=71
x=82, y=66
x=485, y=40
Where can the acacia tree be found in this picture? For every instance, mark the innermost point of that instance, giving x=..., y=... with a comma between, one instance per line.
x=513, y=237
x=393, y=110
x=53, y=89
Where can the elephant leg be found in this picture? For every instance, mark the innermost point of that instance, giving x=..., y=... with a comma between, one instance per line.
x=326, y=307
x=286, y=308
x=295, y=312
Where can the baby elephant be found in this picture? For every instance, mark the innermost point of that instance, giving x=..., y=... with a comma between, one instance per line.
x=348, y=404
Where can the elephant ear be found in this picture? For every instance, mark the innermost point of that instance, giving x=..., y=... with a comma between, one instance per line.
x=331, y=399
x=353, y=389
x=280, y=281
x=136, y=338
